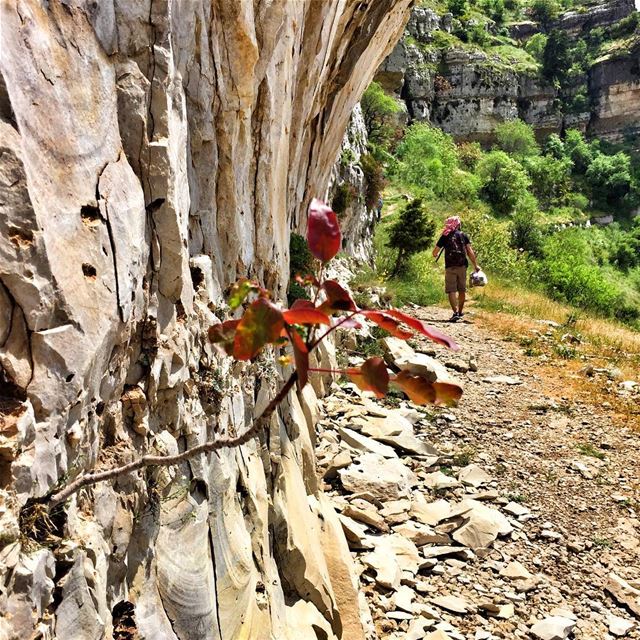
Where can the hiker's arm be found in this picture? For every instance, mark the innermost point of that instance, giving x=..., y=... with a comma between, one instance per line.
x=436, y=251
x=472, y=256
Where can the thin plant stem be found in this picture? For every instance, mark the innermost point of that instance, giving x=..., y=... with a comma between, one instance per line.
x=89, y=479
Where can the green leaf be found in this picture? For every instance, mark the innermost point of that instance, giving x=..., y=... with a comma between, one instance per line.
x=240, y=290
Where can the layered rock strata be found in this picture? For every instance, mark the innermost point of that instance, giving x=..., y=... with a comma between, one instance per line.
x=150, y=153
x=468, y=93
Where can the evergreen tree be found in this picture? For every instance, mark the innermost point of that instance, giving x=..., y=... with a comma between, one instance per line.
x=411, y=233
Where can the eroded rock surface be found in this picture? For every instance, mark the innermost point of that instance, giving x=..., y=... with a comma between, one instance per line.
x=150, y=153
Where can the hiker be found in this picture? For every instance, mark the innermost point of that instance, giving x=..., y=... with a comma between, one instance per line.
x=457, y=247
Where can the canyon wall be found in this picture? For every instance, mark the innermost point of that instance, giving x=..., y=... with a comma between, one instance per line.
x=151, y=152
x=469, y=92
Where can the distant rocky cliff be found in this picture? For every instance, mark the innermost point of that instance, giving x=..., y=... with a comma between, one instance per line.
x=151, y=152
x=468, y=92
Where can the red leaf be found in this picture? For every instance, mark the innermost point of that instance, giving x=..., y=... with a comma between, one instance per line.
x=262, y=323
x=347, y=323
x=371, y=376
x=224, y=333
x=323, y=231
x=304, y=312
x=388, y=324
x=422, y=391
x=301, y=355
x=306, y=281
x=424, y=329
x=338, y=298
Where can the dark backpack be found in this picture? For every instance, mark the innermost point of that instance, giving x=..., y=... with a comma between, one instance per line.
x=455, y=250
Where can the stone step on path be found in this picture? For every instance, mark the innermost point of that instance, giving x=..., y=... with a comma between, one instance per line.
x=443, y=551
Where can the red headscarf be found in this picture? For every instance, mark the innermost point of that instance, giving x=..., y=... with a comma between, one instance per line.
x=451, y=224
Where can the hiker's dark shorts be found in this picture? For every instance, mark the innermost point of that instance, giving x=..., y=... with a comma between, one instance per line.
x=455, y=279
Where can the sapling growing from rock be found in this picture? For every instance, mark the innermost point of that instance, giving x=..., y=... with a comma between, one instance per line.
x=296, y=332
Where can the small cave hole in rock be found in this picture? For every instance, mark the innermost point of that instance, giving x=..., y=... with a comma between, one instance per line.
x=124, y=621
x=90, y=213
x=70, y=377
x=197, y=277
x=89, y=270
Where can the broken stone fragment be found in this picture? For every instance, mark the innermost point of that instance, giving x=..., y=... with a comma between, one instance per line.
x=384, y=479
x=482, y=525
x=401, y=356
x=438, y=481
x=365, y=512
x=624, y=593
x=474, y=476
x=365, y=444
x=553, y=628
x=385, y=564
x=454, y=604
x=355, y=533
x=339, y=461
x=618, y=626
x=395, y=430
x=515, y=571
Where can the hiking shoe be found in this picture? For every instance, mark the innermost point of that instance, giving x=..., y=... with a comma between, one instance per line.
x=454, y=318
x=460, y=315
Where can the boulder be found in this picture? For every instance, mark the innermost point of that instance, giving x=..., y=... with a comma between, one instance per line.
x=382, y=478
x=553, y=628
x=482, y=525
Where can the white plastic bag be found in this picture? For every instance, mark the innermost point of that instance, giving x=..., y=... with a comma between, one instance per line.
x=478, y=279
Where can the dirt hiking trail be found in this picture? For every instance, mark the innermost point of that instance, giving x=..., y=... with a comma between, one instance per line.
x=513, y=515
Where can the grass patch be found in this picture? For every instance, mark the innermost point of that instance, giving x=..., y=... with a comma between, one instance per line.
x=587, y=449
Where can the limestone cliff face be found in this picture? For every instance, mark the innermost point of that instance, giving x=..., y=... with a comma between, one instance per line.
x=348, y=191
x=468, y=93
x=151, y=151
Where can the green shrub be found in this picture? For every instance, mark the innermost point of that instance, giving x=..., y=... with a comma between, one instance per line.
x=578, y=150
x=545, y=11
x=300, y=263
x=526, y=234
x=550, y=178
x=535, y=46
x=609, y=178
x=517, y=139
x=428, y=159
x=380, y=111
x=570, y=273
x=504, y=183
x=344, y=195
x=469, y=154
x=374, y=176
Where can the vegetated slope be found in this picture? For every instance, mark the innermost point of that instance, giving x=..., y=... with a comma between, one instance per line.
x=467, y=65
x=528, y=210
x=535, y=198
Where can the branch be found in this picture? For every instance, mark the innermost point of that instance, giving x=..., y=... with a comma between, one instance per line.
x=166, y=461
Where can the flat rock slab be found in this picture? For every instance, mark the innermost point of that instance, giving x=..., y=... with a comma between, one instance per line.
x=553, y=628
x=383, y=479
x=618, y=626
x=454, y=604
x=438, y=480
x=474, y=476
x=482, y=525
x=365, y=444
x=624, y=593
x=395, y=430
